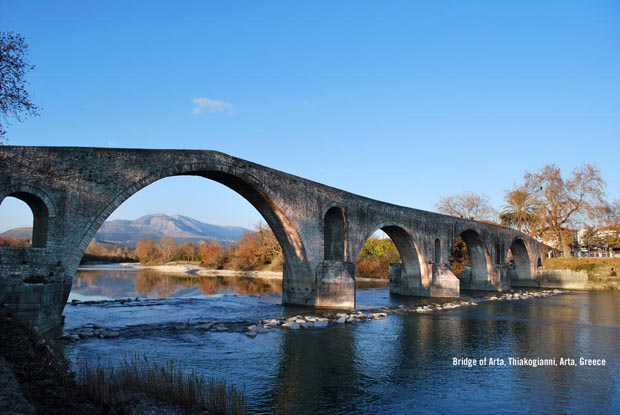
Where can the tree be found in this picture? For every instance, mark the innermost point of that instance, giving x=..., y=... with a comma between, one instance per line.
x=146, y=251
x=520, y=210
x=467, y=205
x=564, y=202
x=375, y=258
x=14, y=98
x=213, y=255
x=167, y=248
x=258, y=250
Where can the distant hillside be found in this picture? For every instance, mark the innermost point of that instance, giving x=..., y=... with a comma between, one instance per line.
x=180, y=228
x=21, y=233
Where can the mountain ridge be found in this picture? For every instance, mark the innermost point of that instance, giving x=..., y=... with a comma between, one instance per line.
x=124, y=232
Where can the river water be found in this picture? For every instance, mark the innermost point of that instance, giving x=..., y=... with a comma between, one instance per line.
x=407, y=363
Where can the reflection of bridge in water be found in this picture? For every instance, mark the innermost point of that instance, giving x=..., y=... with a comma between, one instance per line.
x=72, y=191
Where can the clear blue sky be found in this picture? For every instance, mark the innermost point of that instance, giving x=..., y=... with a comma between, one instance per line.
x=403, y=102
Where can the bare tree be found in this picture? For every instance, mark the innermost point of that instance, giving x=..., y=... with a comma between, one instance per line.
x=467, y=205
x=565, y=202
x=14, y=98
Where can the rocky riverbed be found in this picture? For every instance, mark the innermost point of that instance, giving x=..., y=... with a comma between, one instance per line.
x=318, y=320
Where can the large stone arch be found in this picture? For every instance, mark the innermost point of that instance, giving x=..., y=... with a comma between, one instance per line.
x=246, y=185
x=41, y=206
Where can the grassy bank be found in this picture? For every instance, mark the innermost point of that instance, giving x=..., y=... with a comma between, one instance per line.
x=114, y=388
x=35, y=377
x=595, y=267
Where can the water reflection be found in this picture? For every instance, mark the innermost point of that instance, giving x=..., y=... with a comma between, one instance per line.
x=405, y=364
x=148, y=283
x=402, y=364
x=152, y=284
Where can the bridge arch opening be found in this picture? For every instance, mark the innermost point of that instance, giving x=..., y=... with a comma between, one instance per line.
x=284, y=239
x=518, y=260
x=26, y=207
x=469, y=258
x=334, y=231
x=393, y=254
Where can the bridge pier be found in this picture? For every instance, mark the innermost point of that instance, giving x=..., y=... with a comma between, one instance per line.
x=335, y=285
x=34, y=287
x=38, y=304
x=497, y=280
x=443, y=282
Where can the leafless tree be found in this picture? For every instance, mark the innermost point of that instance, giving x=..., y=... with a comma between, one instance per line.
x=14, y=98
x=565, y=202
x=467, y=205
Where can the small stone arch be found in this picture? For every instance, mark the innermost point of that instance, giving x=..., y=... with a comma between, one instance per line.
x=41, y=206
x=479, y=256
x=334, y=234
x=414, y=273
x=414, y=264
x=520, y=260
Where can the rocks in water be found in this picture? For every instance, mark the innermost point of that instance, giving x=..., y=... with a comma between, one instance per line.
x=204, y=326
x=107, y=334
x=84, y=334
x=321, y=320
x=319, y=324
x=221, y=327
x=70, y=337
x=181, y=327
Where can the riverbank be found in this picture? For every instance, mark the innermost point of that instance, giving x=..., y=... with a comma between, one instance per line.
x=35, y=376
x=189, y=268
x=589, y=274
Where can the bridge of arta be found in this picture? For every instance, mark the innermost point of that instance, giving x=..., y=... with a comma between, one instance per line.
x=72, y=191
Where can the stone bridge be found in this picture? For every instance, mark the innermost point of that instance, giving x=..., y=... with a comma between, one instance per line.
x=72, y=191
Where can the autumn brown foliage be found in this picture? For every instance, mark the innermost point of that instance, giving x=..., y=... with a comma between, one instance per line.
x=15, y=242
x=257, y=250
x=375, y=258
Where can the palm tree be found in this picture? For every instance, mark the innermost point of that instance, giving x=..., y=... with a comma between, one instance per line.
x=520, y=212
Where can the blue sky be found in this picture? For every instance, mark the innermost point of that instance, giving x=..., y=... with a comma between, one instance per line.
x=403, y=102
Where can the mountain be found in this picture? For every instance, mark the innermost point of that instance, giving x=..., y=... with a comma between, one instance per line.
x=180, y=228
x=19, y=233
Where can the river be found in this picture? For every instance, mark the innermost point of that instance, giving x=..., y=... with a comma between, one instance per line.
x=406, y=363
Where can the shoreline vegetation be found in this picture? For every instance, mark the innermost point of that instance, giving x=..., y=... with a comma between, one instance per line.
x=36, y=379
x=163, y=388
x=256, y=252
